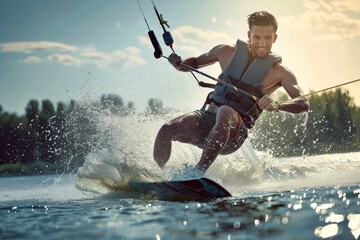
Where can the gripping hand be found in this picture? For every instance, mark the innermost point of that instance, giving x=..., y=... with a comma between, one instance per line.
x=175, y=60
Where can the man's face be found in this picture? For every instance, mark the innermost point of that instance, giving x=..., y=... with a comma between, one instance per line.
x=261, y=40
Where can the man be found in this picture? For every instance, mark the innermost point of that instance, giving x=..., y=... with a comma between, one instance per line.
x=251, y=72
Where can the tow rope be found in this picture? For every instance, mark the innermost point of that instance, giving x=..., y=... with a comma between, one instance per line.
x=169, y=41
x=153, y=39
x=322, y=90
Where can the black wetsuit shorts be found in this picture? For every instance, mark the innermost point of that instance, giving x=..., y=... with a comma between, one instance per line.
x=208, y=120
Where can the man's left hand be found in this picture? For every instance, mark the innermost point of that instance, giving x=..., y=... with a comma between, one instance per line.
x=268, y=104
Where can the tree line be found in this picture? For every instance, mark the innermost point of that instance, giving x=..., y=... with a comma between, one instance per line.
x=51, y=138
x=331, y=126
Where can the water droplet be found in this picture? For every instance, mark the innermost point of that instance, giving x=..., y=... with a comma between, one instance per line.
x=238, y=224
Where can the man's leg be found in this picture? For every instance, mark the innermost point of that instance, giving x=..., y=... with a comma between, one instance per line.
x=183, y=129
x=227, y=127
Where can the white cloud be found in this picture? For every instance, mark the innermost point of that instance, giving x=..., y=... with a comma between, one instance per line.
x=229, y=23
x=145, y=41
x=65, y=59
x=74, y=56
x=347, y=5
x=214, y=19
x=126, y=58
x=333, y=5
x=30, y=47
x=129, y=57
x=325, y=21
x=325, y=38
x=196, y=41
x=312, y=6
x=32, y=59
x=328, y=7
x=188, y=39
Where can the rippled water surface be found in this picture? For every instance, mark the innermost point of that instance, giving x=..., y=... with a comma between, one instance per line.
x=51, y=207
x=306, y=197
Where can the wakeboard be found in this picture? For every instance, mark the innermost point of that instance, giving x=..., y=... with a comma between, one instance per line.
x=198, y=189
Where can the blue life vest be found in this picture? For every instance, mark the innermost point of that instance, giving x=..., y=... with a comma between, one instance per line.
x=248, y=79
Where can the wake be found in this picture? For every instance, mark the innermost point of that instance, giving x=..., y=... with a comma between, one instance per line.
x=128, y=156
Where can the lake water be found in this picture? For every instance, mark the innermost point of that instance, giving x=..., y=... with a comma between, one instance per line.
x=307, y=197
x=293, y=198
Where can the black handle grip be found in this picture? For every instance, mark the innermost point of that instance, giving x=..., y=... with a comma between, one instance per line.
x=155, y=43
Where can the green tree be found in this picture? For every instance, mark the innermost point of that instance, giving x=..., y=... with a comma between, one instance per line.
x=113, y=103
x=32, y=123
x=45, y=134
x=331, y=126
x=130, y=108
x=154, y=107
x=12, y=138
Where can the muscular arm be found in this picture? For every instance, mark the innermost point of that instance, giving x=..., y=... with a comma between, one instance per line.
x=295, y=106
x=289, y=83
x=203, y=60
x=291, y=86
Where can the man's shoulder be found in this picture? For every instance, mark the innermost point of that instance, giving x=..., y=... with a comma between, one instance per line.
x=279, y=66
x=281, y=71
x=223, y=49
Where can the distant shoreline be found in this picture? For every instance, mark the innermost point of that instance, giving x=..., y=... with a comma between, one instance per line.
x=36, y=168
x=42, y=168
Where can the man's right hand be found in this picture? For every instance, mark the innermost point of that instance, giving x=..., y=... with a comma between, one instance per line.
x=175, y=60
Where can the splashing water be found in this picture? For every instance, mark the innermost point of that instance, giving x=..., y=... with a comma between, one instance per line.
x=128, y=156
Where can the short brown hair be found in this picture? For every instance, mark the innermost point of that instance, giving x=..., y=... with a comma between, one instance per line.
x=263, y=19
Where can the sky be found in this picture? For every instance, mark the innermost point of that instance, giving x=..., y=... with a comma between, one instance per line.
x=63, y=50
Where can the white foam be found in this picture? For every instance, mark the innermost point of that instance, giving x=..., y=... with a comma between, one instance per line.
x=130, y=156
